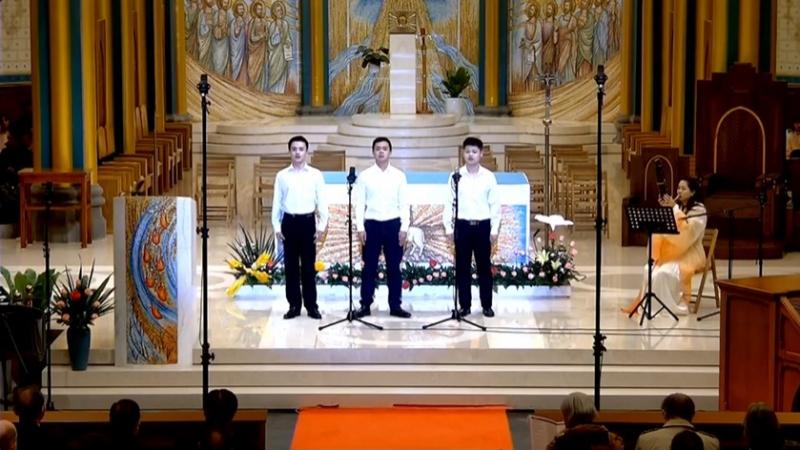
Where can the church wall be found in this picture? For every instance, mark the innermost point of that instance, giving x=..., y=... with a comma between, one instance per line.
x=15, y=57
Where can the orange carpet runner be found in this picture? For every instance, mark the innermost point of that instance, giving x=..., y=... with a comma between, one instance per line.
x=399, y=428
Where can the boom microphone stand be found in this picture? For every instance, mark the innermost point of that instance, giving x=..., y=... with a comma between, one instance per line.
x=206, y=357
x=597, y=347
x=351, y=314
x=455, y=314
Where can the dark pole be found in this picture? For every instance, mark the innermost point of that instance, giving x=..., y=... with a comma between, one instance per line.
x=48, y=192
x=206, y=356
x=598, y=347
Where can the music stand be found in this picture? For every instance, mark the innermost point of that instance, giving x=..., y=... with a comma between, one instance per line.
x=17, y=321
x=651, y=220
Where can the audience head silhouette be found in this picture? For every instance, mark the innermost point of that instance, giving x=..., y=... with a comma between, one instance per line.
x=29, y=404
x=761, y=428
x=215, y=439
x=686, y=440
x=8, y=435
x=678, y=406
x=124, y=417
x=577, y=408
x=220, y=407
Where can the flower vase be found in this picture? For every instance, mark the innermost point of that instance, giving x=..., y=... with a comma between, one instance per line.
x=79, y=341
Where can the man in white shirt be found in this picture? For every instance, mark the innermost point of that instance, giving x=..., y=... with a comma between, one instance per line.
x=299, y=194
x=382, y=216
x=477, y=226
x=678, y=411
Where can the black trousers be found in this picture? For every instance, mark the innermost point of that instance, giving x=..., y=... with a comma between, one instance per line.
x=299, y=254
x=382, y=235
x=473, y=237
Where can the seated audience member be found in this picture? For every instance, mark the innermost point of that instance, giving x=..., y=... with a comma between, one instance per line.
x=124, y=417
x=761, y=429
x=215, y=438
x=678, y=411
x=8, y=435
x=29, y=408
x=220, y=408
x=686, y=440
x=17, y=153
x=581, y=432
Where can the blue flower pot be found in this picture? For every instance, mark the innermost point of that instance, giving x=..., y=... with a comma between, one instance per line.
x=79, y=341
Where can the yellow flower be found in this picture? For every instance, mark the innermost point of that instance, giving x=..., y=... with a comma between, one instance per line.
x=235, y=264
x=262, y=277
x=235, y=286
x=263, y=259
x=319, y=266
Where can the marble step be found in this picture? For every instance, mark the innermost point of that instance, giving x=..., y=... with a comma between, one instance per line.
x=391, y=131
x=398, y=375
x=298, y=397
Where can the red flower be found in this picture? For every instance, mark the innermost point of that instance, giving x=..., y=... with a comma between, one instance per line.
x=552, y=236
x=75, y=296
x=406, y=284
x=433, y=263
x=494, y=270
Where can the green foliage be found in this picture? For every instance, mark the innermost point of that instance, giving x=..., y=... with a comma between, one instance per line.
x=27, y=288
x=456, y=81
x=371, y=56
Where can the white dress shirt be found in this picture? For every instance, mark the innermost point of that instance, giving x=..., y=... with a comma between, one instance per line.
x=299, y=191
x=381, y=195
x=477, y=199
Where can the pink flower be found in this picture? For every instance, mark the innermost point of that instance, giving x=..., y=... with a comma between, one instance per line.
x=502, y=273
x=568, y=265
x=335, y=276
x=420, y=280
x=513, y=273
x=437, y=274
x=89, y=292
x=561, y=238
x=530, y=276
x=474, y=276
x=95, y=316
x=345, y=278
x=541, y=274
x=61, y=305
x=433, y=263
x=574, y=251
x=525, y=269
x=65, y=318
x=356, y=280
x=555, y=278
x=429, y=277
x=381, y=275
x=572, y=243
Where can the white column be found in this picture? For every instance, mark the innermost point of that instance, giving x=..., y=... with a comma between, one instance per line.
x=403, y=74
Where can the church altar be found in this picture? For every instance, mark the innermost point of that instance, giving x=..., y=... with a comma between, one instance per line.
x=426, y=240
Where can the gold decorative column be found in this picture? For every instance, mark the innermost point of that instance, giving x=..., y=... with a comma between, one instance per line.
x=318, y=75
x=678, y=97
x=159, y=47
x=647, y=66
x=491, y=53
x=628, y=59
x=702, y=55
x=719, y=39
x=36, y=86
x=180, y=57
x=128, y=77
x=60, y=87
x=89, y=86
x=667, y=36
x=748, y=31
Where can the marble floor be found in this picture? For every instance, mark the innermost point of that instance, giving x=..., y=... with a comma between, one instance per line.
x=253, y=320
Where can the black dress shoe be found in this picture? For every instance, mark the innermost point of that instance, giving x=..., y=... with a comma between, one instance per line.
x=314, y=314
x=488, y=312
x=400, y=312
x=292, y=313
x=363, y=311
x=463, y=312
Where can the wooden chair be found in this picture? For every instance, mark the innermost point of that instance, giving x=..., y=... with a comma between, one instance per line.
x=82, y=205
x=264, y=186
x=220, y=188
x=709, y=245
x=329, y=160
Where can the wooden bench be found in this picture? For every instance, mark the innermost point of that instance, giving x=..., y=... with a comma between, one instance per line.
x=167, y=429
x=26, y=204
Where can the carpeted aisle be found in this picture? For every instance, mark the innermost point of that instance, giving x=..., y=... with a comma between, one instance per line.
x=399, y=428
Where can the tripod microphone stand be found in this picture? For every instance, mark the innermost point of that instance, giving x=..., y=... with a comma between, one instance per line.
x=455, y=314
x=48, y=200
x=206, y=356
x=351, y=314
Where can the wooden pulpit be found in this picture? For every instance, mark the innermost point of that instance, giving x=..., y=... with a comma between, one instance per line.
x=759, y=342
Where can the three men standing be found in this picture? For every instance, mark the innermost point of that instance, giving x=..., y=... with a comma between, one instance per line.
x=299, y=218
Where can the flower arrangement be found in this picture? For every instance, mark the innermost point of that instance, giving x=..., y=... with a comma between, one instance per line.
x=77, y=304
x=254, y=261
x=27, y=288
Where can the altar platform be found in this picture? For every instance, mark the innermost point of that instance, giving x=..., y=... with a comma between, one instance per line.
x=536, y=349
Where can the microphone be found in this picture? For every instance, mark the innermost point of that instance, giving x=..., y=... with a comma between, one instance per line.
x=351, y=178
x=456, y=176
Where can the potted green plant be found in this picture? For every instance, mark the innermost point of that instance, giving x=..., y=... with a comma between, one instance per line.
x=26, y=288
x=78, y=305
x=373, y=57
x=454, y=84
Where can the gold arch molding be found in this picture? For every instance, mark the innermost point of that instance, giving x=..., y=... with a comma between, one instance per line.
x=763, y=136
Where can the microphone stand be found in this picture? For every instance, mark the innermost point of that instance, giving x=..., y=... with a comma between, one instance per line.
x=206, y=357
x=351, y=314
x=48, y=193
x=455, y=314
x=762, y=203
x=598, y=348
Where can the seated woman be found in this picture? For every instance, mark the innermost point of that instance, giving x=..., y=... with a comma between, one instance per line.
x=581, y=433
x=678, y=256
